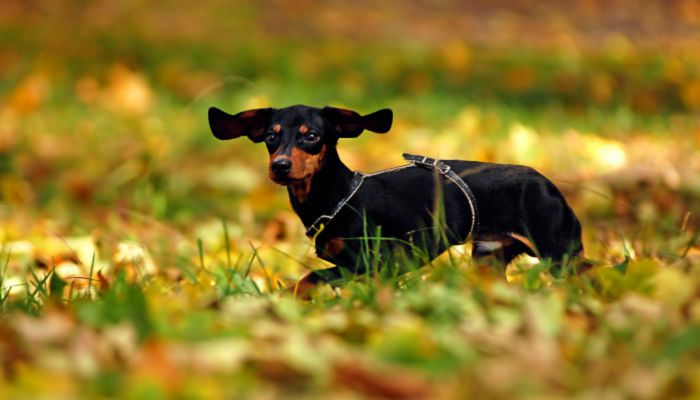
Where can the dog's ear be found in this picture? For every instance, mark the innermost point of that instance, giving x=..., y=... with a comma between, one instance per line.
x=349, y=124
x=251, y=123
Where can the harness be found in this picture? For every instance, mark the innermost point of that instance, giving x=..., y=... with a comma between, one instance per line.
x=415, y=161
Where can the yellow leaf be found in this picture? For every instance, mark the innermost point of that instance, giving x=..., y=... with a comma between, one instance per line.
x=672, y=287
x=30, y=94
x=128, y=92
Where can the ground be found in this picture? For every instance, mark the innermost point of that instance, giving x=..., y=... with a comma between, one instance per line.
x=142, y=258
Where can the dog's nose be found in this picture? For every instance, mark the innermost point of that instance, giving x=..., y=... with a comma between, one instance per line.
x=281, y=166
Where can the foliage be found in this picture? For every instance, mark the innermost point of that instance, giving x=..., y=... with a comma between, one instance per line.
x=141, y=258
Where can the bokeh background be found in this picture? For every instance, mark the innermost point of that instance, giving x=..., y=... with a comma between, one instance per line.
x=104, y=102
x=107, y=163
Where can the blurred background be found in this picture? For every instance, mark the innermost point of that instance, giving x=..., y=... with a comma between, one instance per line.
x=138, y=253
x=103, y=104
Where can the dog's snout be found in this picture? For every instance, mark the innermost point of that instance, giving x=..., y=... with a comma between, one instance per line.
x=281, y=166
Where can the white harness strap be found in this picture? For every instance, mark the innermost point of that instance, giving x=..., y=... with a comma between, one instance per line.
x=448, y=173
x=324, y=219
x=415, y=160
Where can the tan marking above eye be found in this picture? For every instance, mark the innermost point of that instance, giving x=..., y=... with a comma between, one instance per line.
x=303, y=129
x=276, y=128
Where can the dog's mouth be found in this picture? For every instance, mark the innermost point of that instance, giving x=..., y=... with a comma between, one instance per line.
x=285, y=181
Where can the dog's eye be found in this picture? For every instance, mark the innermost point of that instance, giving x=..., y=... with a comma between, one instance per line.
x=312, y=137
x=270, y=137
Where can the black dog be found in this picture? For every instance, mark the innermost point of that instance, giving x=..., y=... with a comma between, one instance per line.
x=507, y=210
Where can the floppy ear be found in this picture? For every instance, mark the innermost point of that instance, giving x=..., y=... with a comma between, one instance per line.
x=349, y=124
x=251, y=123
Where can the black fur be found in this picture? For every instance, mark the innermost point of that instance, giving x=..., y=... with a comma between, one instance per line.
x=518, y=208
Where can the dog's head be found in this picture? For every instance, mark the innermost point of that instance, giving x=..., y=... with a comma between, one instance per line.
x=297, y=137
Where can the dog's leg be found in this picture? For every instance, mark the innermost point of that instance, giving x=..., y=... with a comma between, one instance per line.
x=560, y=237
x=305, y=286
x=504, y=248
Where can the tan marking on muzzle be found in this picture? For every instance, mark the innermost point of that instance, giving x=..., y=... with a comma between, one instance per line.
x=304, y=167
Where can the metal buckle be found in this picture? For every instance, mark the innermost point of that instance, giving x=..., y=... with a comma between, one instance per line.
x=444, y=170
x=311, y=231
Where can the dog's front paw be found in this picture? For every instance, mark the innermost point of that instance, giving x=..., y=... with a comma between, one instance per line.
x=304, y=287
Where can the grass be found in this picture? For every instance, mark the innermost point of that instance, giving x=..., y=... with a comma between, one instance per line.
x=141, y=258
x=445, y=329
x=176, y=286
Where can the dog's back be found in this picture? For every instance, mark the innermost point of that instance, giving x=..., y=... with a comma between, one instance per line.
x=422, y=206
x=519, y=200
